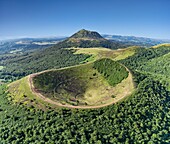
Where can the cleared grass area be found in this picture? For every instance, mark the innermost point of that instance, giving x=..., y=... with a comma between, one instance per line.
x=115, y=94
x=20, y=89
x=98, y=53
x=20, y=93
x=124, y=53
x=93, y=51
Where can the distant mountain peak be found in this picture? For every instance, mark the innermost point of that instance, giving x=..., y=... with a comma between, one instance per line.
x=86, y=34
x=85, y=39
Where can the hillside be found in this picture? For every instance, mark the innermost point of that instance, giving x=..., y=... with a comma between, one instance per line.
x=23, y=45
x=153, y=62
x=85, y=34
x=100, y=83
x=86, y=39
x=159, y=66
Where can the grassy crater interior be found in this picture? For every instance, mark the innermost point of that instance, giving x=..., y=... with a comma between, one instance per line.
x=87, y=84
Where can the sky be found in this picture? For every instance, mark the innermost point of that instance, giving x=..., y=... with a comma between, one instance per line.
x=45, y=18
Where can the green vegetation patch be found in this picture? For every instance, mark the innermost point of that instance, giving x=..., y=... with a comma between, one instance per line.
x=70, y=85
x=124, y=53
x=99, y=52
x=86, y=84
x=153, y=62
x=19, y=92
x=1, y=67
x=111, y=70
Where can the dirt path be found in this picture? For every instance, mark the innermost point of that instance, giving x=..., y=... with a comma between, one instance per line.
x=124, y=94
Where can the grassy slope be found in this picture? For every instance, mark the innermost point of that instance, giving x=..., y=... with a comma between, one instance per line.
x=98, y=53
x=20, y=92
x=78, y=79
x=161, y=45
x=92, y=87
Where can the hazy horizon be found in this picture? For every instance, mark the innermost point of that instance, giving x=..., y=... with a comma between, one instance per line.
x=58, y=36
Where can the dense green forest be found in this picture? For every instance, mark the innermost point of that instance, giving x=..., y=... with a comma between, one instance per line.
x=159, y=68
x=153, y=62
x=17, y=66
x=144, y=117
x=111, y=70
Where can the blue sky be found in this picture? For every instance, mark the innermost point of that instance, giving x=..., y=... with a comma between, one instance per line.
x=41, y=18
